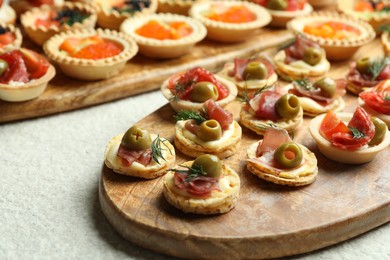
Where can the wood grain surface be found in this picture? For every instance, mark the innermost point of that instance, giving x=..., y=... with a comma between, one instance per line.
x=269, y=220
x=140, y=75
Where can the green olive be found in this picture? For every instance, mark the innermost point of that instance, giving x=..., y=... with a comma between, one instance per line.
x=288, y=155
x=327, y=87
x=136, y=139
x=277, y=5
x=209, y=130
x=3, y=66
x=380, y=131
x=312, y=56
x=363, y=65
x=288, y=106
x=255, y=70
x=211, y=165
x=203, y=91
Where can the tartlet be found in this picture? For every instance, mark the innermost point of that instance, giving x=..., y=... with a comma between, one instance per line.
x=40, y=34
x=363, y=154
x=221, y=199
x=263, y=163
x=117, y=157
x=281, y=17
x=171, y=46
x=34, y=73
x=338, y=44
x=291, y=62
x=232, y=31
x=91, y=69
x=7, y=13
x=261, y=76
x=21, y=6
x=110, y=17
x=376, y=101
x=175, y=6
x=16, y=37
x=183, y=103
x=385, y=40
x=366, y=11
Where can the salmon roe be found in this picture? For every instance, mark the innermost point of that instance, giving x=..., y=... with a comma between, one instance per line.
x=231, y=14
x=161, y=30
x=332, y=30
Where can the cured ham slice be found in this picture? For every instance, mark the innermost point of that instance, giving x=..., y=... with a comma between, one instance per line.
x=216, y=112
x=199, y=186
x=365, y=80
x=128, y=156
x=264, y=105
x=273, y=138
x=378, y=97
x=241, y=63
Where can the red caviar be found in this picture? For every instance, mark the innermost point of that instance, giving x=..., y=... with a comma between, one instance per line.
x=332, y=30
x=232, y=14
x=164, y=30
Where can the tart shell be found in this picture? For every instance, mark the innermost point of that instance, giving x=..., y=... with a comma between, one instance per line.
x=88, y=69
x=335, y=49
x=18, y=38
x=219, y=202
x=363, y=155
x=385, y=39
x=230, y=32
x=41, y=34
x=164, y=48
x=27, y=91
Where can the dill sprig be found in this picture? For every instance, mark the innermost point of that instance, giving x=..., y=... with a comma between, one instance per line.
x=286, y=44
x=356, y=133
x=189, y=114
x=157, y=149
x=304, y=83
x=377, y=66
x=192, y=172
x=384, y=28
x=264, y=127
x=179, y=88
x=244, y=96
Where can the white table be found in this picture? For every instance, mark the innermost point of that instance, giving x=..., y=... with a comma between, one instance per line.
x=50, y=168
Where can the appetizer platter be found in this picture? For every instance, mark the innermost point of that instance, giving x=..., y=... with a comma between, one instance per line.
x=274, y=216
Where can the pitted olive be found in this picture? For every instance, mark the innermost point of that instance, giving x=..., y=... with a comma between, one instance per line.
x=203, y=91
x=312, y=56
x=288, y=155
x=380, y=131
x=136, y=139
x=255, y=70
x=209, y=130
x=363, y=65
x=277, y=5
x=288, y=106
x=327, y=86
x=211, y=165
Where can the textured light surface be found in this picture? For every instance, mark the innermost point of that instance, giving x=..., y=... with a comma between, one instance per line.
x=50, y=168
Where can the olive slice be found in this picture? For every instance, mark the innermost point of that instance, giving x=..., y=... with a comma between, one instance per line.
x=287, y=106
x=312, y=56
x=209, y=130
x=255, y=70
x=136, y=139
x=211, y=165
x=288, y=155
x=327, y=87
x=277, y=5
x=363, y=65
x=203, y=91
x=380, y=131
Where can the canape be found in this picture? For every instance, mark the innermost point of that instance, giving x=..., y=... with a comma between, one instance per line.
x=164, y=35
x=278, y=159
x=211, y=130
x=188, y=90
x=112, y=13
x=303, y=58
x=90, y=54
x=319, y=96
x=366, y=73
x=21, y=6
x=41, y=23
x=24, y=75
x=272, y=108
x=250, y=74
x=349, y=138
x=283, y=11
x=203, y=186
x=140, y=154
x=339, y=34
x=230, y=21
x=10, y=37
x=376, y=101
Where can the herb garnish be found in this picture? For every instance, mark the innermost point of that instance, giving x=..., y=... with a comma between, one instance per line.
x=192, y=172
x=70, y=17
x=377, y=66
x=179, y=88
x=189, y=114
x=386, y=98
x=356, y=133
x=264, y=127
x=304, y=83
x=286, y=44
x=244, y=96
x=157, y=149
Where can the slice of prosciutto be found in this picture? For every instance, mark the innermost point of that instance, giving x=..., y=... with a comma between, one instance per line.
x=241, y=63
x=200, y=186
x=365, y=80
x=315, y=93
x=129, y=156
x=378, y=98
x=296, y=50
x=216, y=112
x=264, y=105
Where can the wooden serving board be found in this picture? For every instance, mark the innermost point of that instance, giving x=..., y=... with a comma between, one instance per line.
x=269, y=220
x=140, y=75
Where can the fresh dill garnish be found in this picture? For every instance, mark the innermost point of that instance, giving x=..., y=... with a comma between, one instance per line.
x=377, y=66
x=157, y=149
x=304, y=83
x=179, y=89
x=384, y=28
x=244, y=96
x=264, y=127
x=286, y=44
x=356, y=133
x=386, y=9
x=192, y=172
x=189, y=114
